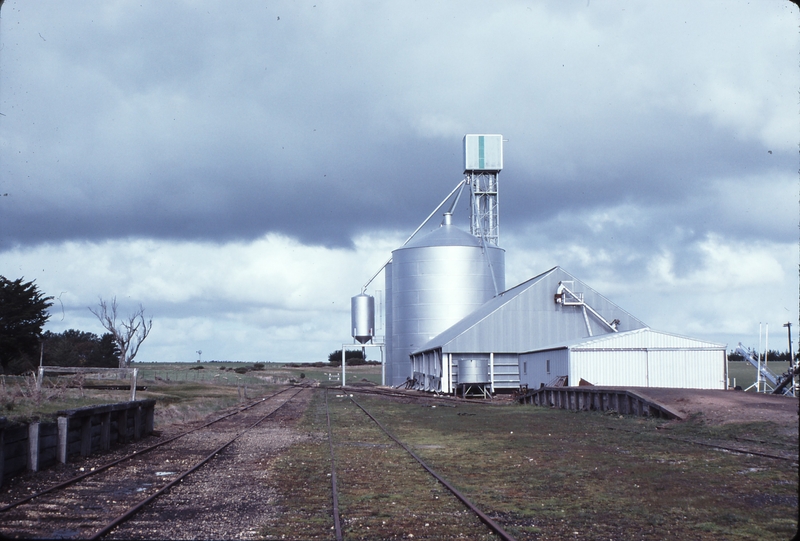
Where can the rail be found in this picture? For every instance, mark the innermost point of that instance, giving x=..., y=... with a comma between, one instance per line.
x=131, y=511
x=483, y=517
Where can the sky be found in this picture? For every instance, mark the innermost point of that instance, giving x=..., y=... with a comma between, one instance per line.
x=242, y=169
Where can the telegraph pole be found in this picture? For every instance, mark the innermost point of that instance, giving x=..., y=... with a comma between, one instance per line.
x=788, y=326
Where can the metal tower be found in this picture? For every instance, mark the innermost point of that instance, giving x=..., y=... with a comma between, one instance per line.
x=483, y=161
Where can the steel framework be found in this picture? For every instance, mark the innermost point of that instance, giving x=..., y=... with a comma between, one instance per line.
x=484, y=218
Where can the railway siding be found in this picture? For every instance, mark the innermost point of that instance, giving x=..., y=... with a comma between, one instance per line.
x=383, y=492
x=94, y=503
x=538, y=472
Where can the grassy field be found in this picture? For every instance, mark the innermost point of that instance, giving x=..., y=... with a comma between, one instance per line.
x=184, y=391
x=544, y=474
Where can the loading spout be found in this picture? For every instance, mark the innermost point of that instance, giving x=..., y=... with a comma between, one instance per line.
x=440, y=205
x=565, y=297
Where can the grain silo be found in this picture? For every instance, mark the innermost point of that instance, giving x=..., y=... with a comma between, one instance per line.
x=435, y=281
x=450, y=323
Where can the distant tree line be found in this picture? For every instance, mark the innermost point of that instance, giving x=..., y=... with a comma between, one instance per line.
x=773, y=355
x=69, y=348
x=353, y=357
x=23, y=313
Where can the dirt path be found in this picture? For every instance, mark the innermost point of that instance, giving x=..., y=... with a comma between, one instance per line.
x=721, y=407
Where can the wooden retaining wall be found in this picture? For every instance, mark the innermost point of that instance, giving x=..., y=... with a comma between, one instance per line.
x=80, y=431
x=623, y=401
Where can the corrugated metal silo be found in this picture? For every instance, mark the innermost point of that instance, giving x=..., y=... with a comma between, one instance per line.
x=436, y=280
x=389, y=308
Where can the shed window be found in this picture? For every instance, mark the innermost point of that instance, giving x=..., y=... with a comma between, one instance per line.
x=525, y=367
x=548, y=365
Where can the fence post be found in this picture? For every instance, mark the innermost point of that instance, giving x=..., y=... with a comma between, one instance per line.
x=63, y=424
x=33, y=446
x=134, y=375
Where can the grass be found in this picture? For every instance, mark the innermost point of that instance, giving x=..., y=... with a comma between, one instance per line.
x=382, y=494
x=184, y=391
x=542, y=473
x=21, y=402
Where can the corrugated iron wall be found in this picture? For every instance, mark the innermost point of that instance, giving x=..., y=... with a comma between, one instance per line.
x=536, y=366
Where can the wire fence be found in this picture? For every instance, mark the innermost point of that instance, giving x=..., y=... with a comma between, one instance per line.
x=12, y=380
x=158, y=375
x=206, y=376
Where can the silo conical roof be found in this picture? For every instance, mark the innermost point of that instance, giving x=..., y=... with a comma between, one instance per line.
x=446, y=235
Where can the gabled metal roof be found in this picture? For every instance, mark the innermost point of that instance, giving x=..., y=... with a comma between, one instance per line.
x=526, y=318
x=645, y=338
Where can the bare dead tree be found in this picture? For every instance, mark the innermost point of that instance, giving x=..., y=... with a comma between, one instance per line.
x=129, y=332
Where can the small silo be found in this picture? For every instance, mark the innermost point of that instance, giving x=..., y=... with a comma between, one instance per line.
x=362, y=317
x=474, y=378
x=435, y=281
x=473, y=371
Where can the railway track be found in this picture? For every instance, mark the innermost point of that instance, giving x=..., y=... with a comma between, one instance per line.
x=773, y=447
x=746, y=446
x=93, y=504
x=438, y=508
x=376, y=479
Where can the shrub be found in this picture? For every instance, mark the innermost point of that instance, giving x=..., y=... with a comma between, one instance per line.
x=352, y=357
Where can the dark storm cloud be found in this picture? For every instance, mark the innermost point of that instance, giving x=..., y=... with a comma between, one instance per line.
x=237, y=166
x=327, y=204
x=209, y=122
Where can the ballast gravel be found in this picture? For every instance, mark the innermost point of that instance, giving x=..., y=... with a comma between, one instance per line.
x=230, y=497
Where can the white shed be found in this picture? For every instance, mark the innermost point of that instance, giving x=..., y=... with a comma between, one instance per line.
x=636, y=358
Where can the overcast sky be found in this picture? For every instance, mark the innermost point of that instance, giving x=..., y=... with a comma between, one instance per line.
x=242, y=168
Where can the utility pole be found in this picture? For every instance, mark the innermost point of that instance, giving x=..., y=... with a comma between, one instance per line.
x=788, y=326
